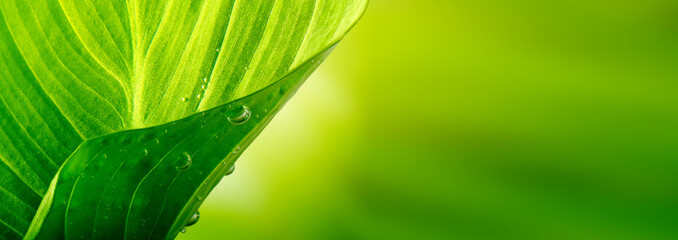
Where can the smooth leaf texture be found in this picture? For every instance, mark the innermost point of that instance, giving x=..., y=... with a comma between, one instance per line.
x=145, y=184
x=77, y=74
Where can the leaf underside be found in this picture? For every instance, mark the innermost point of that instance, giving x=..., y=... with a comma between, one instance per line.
x=77, y=77
x=105, y=188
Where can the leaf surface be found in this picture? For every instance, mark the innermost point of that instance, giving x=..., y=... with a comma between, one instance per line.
x=76, y=74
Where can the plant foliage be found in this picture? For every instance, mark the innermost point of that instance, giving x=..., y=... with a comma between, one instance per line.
x=117, y=117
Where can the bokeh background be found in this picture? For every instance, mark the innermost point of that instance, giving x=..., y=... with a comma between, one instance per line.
x=482, y=119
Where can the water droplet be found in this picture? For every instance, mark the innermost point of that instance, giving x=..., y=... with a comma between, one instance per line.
x=184, y=162
x=184, y=99
x=194, y=219
x=217, y=49
x=230, y=170
x=199, y=96
x=145, y=152
x=157, y=141
x=239, y=115
x=204, y=79
x=203, y=87
x=183, y=230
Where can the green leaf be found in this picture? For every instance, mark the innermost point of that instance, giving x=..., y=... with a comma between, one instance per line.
x=77, y=76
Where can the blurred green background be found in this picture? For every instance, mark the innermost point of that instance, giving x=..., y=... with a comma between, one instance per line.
x=483, y=119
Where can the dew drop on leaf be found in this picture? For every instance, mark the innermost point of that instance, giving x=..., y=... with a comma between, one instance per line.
x=239, y=115
x=230, y=170
x=184, y=162
x=183, y=230
x=194, y=219
x=184, y=99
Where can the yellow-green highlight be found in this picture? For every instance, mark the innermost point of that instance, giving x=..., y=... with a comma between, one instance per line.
x=472, y=120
